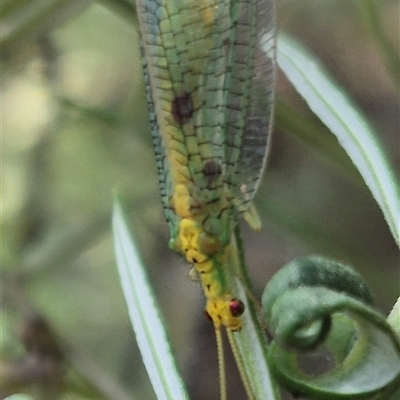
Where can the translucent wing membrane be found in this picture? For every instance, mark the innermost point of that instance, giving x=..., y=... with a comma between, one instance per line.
x=249, y=86
x=210, y=67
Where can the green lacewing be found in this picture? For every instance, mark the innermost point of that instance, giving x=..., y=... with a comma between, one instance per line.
x=210, y=71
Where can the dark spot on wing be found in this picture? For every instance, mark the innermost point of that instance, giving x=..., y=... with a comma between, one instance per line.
x=212, y=170
x=182, y=108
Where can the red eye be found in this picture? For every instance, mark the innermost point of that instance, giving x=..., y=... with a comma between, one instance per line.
x=236, y=307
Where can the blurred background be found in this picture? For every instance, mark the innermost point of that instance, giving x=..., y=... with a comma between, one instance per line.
x=75, y=128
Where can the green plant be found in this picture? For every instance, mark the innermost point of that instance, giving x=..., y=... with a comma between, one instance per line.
x=312, y=300
x=57, y=255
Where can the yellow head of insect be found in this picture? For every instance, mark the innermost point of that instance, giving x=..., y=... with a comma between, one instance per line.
x=225, y=312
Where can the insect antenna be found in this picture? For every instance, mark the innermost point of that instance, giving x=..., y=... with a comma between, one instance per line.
x=221, y=364
x=240, y=365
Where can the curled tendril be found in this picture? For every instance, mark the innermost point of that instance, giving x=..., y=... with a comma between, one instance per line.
x=316, y=303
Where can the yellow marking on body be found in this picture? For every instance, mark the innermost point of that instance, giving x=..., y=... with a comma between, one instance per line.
x=220, y=313
x=207, y=254
x=192, y=238
x=189, y=234
x=182, y=201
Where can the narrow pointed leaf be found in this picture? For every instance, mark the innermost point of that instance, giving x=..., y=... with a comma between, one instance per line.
x=145, y=317
x=343, y=118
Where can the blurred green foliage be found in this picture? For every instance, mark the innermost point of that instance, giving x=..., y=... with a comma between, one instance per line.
x=75, y=127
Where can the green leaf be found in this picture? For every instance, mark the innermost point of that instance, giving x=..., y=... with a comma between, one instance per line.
x=145, y=316
x=313, y=302
x=251, y=344
x=352, y=130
